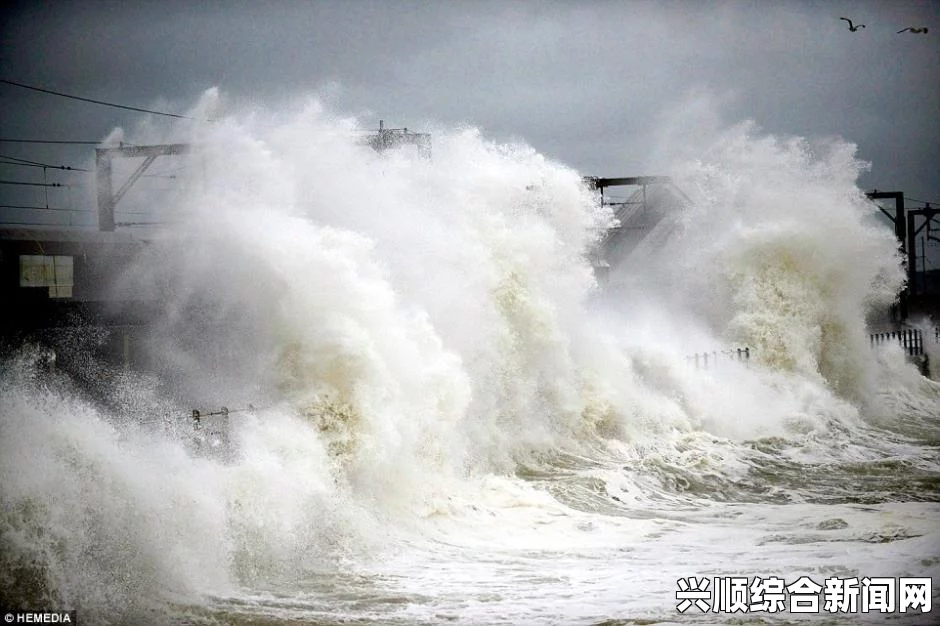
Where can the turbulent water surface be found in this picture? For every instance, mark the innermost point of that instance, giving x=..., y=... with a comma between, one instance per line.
x=452, y=421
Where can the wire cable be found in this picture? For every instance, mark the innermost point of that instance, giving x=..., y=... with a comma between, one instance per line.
x=144, y=223
x=59, y=224
x=41, y=208
x=25, y=184
x=58, y=141
x=44, y=166
x=101, y=102
x=197, y=415
x=27, y=163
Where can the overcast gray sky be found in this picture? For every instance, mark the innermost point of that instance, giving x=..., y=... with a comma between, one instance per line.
x=586, y=83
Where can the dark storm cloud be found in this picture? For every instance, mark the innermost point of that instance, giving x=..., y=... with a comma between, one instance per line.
x=586, y=83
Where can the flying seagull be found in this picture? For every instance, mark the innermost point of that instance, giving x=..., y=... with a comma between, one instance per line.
x=914, y=30
x=852, y=27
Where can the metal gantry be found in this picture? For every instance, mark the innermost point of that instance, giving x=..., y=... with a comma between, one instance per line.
x=637, y=216
x=387, y=138
x=906, y=229
x=107, y=198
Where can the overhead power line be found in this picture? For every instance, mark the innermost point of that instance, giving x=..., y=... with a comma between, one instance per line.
x=11, y=160
x=101, y=102
x=57, y=141
x=42, y=208
x=45, y=167
x=143, y=223
x=5, y=223
x=18, y=159
x=19, y=182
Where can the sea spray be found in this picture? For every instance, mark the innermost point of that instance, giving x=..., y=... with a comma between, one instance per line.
x=120, y=519
x=431, y=358
x=94, y=516
x=337, y=251
x=781, y=252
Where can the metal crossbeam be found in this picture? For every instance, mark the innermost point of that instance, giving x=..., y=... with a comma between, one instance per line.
x=107, y=200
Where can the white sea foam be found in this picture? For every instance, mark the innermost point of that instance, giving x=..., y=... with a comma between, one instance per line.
x=449, y=394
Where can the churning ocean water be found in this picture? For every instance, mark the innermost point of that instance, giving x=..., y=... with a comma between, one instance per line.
x=452, y=422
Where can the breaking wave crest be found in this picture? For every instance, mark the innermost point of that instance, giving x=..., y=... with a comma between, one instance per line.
x=414, y=330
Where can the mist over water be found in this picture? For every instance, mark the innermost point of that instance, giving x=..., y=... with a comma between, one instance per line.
x=454, y=421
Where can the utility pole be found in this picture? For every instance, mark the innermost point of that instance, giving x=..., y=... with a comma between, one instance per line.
x=905, y=239
x=928, y=214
